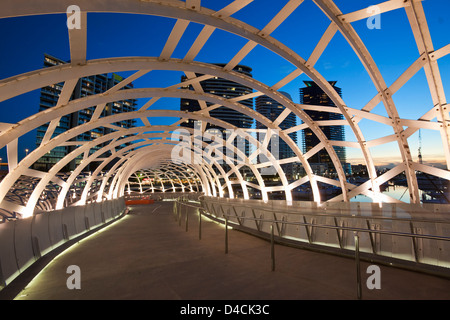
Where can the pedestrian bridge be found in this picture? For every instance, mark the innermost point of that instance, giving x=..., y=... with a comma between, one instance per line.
x=160, y=156
x=175, y=250
x=410, y=246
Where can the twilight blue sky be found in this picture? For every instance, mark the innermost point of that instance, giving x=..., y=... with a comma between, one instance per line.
x=25, y=40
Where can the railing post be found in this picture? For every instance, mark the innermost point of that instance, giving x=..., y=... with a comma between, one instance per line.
x=179, y=214
x=2, y=278
x=199, y=224
x=358, y=268
x=174, y=208
x=272, y=248
x=414, y=242
x=371, y=236
x=338, y=232
x=187, y=217
x=308, y=233
x=226, y=234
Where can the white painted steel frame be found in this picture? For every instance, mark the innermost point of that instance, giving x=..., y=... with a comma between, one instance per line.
x=136, y=156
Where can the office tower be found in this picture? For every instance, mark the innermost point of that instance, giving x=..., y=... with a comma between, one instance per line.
x=86, y=86
x=271, y=109
x=312, y=94
x=228, y=90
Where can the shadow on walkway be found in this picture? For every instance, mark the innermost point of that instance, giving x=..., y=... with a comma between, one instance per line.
x=149, y=255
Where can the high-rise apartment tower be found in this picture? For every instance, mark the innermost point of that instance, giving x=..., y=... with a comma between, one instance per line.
x=312, y=94
x=86, y=86
x=228, y=90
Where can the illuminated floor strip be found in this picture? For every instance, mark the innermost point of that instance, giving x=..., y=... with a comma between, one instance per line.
x=29, y=275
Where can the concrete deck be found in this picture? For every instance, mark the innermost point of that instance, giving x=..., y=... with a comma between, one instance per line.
x=148, y=255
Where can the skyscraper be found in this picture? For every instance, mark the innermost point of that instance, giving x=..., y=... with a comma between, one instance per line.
x=86, y=86
x=228, y=90
x=312, y=94
x=271, y=109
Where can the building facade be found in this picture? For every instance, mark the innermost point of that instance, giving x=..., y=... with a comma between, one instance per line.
x=272, y=109
x=86, y=86
x=312, y=94
x=228, y=90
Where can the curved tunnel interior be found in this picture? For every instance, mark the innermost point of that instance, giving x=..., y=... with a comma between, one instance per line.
x=208, y=103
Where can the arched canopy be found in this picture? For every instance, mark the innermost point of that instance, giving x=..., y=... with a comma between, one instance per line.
x=260, y=32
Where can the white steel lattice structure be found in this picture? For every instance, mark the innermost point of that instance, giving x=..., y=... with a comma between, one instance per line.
x=168, y=177
x=149, y=146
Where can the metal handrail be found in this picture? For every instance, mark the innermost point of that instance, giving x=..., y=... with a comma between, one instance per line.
x=343, y=228
x=339, y=215
x=356, y=231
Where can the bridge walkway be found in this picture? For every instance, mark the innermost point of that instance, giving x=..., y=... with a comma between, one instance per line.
x=148, y=255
